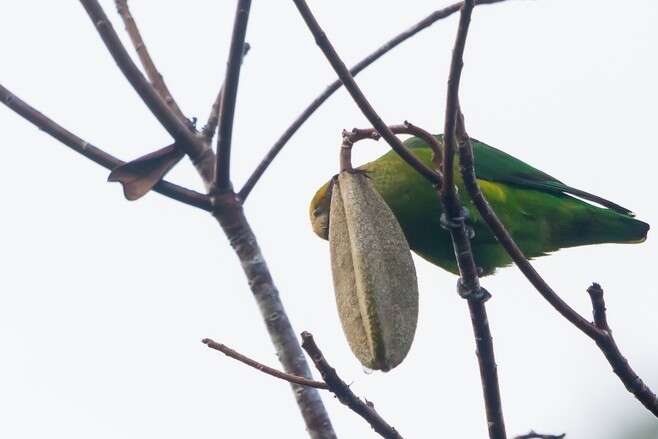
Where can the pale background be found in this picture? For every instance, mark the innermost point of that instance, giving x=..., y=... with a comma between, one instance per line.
x=103, y=302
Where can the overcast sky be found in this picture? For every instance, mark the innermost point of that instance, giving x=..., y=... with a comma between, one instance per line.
x=103, y=302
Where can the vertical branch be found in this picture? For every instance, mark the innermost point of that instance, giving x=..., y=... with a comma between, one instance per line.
x=229, y=96
x=455, y=221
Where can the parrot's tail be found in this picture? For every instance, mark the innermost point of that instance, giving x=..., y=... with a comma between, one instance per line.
x=619, y=228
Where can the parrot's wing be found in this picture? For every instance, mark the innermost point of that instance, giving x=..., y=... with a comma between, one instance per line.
x=495, y=165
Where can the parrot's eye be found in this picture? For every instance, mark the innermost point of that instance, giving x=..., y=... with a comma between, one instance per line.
x=318, y=211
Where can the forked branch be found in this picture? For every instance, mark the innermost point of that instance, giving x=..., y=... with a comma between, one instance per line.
x=332, y=382
x=94, y=153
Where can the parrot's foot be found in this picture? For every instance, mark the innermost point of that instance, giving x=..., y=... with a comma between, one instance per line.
x=358, y=172
x=456, y=222
x=480, y=294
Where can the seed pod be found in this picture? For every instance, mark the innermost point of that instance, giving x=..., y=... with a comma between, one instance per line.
x=373, y=273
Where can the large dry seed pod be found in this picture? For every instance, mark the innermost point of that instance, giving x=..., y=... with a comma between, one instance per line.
x=374, y=275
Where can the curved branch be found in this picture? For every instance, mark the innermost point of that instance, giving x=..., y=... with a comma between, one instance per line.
x=93, y=153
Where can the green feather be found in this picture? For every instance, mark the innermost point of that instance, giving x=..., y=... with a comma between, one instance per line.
x=535, y=207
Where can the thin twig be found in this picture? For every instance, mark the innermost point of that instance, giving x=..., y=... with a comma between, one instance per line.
x=343, y=392
x=261, y=367
x=469, y=283
x=192, y=144
x=93, y=153
x=210, y=127
x=145, y=58
x=334, y=86
x=533, y=435
x=229, y=96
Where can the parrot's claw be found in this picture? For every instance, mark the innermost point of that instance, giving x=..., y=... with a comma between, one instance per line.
x=359, y=172
x=481, y=294
x=456, y=222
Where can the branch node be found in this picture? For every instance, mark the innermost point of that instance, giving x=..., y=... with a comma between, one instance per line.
x=479, y=293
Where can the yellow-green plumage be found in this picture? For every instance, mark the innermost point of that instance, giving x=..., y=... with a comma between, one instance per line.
x=535, y=207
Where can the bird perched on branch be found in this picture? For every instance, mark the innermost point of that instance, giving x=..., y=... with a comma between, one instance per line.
x=541, y=213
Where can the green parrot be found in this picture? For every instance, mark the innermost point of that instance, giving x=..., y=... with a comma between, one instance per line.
x=542, y=213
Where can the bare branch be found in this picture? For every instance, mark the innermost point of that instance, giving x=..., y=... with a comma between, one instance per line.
x=93, y=153
x=345, y=395
x=192, y=144
x=210, y=127
x=334, y=86
x=145, y=58
x=358, y=134
x=620, y=365
x=259, y=366
x=454, y=220
x=229, y=96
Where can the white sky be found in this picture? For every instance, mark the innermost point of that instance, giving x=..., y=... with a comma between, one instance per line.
x=103, y=302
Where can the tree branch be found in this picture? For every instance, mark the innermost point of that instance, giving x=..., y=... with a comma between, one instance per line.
x=93, y=153
x=145, y=58
x=229, y=213
x=229, y=96
x=358, y=134
x=454, y=220
x=343, y=391
x=210, y=127
x=334, y=86
x=193, y=145
x=259, y=366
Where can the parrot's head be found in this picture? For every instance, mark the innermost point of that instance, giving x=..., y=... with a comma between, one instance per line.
x=319, y=210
